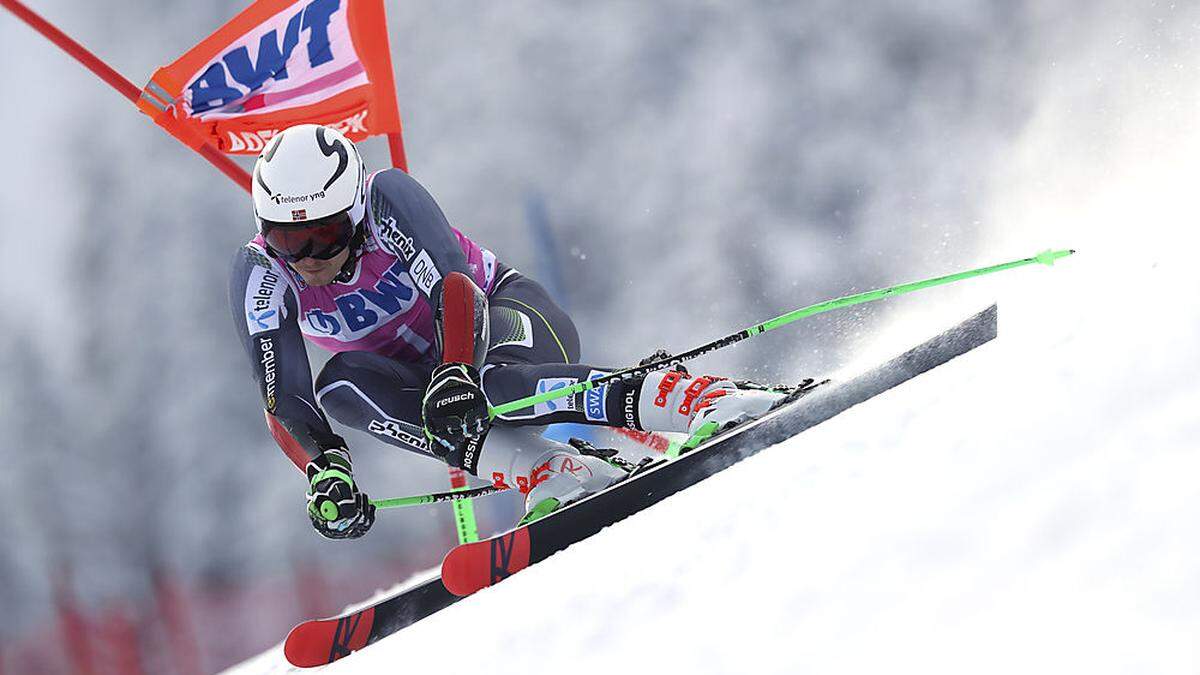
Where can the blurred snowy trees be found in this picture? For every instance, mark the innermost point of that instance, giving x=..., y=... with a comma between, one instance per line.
x=704, y=165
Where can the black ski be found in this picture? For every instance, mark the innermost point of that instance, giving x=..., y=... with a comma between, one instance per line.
x=323, y=641
x=470, y=567
x=320, y=641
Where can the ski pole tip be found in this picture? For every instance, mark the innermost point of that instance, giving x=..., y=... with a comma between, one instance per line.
x=1048, y=256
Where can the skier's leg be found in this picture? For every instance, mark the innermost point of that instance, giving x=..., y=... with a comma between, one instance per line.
x=521, y=458
x=535, y=348
x=378, y=395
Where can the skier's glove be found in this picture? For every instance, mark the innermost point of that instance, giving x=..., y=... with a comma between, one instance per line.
x=455, y=413
x=335, y=506
x=661, y=355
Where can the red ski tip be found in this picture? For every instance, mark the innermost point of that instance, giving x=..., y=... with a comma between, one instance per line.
x=317, y=643
x=471, y=567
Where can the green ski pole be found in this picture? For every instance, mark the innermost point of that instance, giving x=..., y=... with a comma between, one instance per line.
x=437, y=497
x=1045, y=258
x=464, y=509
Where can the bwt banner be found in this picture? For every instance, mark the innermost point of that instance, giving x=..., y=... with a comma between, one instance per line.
x=280, y=63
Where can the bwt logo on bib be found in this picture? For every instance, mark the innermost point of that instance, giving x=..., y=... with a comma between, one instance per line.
x=212, y=89
x=360, y=312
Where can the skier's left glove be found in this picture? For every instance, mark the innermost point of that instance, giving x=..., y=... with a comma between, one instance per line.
x=455, y=413
x=335, y=506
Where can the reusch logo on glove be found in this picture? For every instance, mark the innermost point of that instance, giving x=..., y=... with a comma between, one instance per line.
x=464, y=396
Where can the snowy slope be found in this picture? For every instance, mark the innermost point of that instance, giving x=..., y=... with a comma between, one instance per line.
x=1010, y=511
x=1022, y=508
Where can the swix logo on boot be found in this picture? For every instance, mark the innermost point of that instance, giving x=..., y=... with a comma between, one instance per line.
x=666, y=386
x=555, y=405
x=264, y=294
x=360, y=311
x=593, y=399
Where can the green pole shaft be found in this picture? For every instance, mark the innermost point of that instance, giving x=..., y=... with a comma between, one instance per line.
x=464, y=521
x=1045, y=258
x=464, y=509
x=436, y=497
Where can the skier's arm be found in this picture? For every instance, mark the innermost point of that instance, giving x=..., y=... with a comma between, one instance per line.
x=412, y=227
x=265, y=317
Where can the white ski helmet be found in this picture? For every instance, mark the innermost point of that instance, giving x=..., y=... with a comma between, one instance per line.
x=309, y=177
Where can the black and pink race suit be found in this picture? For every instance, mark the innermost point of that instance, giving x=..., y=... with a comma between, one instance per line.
x=380, y=326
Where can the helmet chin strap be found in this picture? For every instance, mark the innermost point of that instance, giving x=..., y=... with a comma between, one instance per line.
x=355, y=246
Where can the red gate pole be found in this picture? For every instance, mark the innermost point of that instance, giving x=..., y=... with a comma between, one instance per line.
x=396, y=148
x=117, y=81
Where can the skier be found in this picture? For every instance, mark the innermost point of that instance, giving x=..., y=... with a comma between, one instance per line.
x=426, y=327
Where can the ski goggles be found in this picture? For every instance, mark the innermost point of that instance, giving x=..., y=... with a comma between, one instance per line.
x=322, y=238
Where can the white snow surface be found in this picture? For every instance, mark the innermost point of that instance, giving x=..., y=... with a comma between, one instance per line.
x=1033, y=506
x=1028, y=507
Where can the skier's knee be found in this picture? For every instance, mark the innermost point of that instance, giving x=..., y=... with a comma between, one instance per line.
x=338, y=367
x=333, y=388
x=344, y=381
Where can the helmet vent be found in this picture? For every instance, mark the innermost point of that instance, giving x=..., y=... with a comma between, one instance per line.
x=258, y=177
x=270, y=153
x=328, y=149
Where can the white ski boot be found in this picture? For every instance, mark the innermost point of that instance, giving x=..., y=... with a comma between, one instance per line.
x=549, y=474
x=676, y=401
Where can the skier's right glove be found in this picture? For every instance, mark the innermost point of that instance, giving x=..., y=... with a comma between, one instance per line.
x=335, y=506
x=455, y=413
